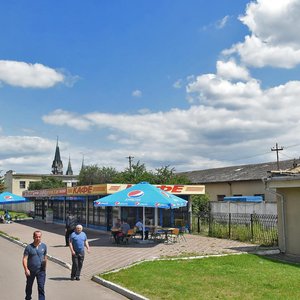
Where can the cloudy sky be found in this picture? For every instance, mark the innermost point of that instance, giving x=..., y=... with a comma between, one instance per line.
x=193, y=84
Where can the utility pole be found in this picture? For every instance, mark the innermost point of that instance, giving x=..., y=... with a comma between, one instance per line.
x=277, y=150
x=130, y=161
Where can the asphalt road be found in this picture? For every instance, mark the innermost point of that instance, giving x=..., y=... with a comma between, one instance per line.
x=58, y=283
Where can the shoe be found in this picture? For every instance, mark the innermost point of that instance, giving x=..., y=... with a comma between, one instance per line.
x=72, y=278
x=77, y=278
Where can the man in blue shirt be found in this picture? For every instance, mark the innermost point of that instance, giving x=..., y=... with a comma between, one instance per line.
x=34, y=263
x=78, y=241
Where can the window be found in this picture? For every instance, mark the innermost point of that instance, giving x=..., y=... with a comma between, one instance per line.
x=221, y=197
x=22, y=184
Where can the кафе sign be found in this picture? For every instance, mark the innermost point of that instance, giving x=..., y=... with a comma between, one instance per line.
x=106, y=189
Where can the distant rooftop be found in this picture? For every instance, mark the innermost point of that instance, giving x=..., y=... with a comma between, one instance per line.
x=238, y=173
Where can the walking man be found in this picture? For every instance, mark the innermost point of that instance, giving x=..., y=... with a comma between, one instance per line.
x=34, y=263
x=78, y=241
x=70, y=226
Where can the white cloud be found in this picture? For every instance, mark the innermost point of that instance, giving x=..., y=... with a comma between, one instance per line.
x=221, y=23
x=61, y=117
x=254, y=52
x=211, y=89
x=230, y=70
x=274, y=39
x=137, y=93
x=240, y=118
x=27, y=75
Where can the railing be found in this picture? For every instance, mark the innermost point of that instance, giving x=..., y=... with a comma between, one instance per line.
x=256, y=228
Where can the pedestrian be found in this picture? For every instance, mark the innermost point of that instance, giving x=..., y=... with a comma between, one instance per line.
x=70, y=226
x=34, y=263
x=140, y=230
x=123, y=231
x=78, y=240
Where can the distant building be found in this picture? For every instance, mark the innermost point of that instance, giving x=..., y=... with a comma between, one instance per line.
x=69, y=170
x=17, y=183
x=242, y=180
x=285, y=184
x=57, y=165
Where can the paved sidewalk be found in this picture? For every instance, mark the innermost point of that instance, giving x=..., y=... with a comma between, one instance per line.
x=106, y=256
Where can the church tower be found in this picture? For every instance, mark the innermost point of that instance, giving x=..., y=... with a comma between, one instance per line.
x=57, y=165
x=69, y=170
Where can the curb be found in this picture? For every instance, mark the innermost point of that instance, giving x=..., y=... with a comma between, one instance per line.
x=119, y=289
x=267, y=252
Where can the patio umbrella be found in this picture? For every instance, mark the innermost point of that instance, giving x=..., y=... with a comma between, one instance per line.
x=142, y=195
x=9, y=198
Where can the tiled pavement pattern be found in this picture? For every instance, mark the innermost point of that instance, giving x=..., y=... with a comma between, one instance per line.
x=106, y=256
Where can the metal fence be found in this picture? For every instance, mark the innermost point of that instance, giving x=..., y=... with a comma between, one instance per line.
x=256, y=228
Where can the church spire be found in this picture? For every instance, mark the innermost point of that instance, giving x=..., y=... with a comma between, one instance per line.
x=57, y=165
x=69, y=170
x=82, y=165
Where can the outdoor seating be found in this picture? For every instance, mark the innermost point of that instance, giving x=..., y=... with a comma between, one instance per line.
x=181, y=234
x=114, y=232
x=128, y=236
x=173, y=235
x=157, y=234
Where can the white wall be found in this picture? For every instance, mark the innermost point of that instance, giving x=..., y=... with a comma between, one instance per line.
x=269, y=208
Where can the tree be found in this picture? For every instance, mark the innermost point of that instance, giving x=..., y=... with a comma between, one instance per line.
x=200, y=207
x=2, y=185
x=136, y=174
x=47, y=182
x=95, y=175
x=167, y=175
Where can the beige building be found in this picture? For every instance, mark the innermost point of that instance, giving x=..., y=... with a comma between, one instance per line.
x=243, y=180
x=17, y=183
x=286, y=186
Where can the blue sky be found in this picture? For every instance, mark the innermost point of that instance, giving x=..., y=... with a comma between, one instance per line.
x=191, y=84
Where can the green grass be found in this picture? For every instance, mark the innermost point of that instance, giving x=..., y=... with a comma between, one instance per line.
x=13, y=214
x=230, y=277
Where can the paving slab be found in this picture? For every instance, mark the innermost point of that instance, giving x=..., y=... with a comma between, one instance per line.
x=106, y=256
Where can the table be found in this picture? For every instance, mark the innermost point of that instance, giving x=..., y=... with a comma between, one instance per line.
x=167, y=232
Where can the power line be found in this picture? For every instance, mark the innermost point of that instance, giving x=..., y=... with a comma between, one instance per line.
x=277, y=150
x=130, y=158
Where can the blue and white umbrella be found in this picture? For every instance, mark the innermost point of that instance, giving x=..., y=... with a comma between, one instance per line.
x=9, y=198
x=142, y=195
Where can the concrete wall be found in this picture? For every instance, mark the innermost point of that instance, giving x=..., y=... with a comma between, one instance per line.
x=292, y=220
x=244, y=208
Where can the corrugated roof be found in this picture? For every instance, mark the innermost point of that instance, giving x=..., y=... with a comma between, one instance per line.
x=237, y=173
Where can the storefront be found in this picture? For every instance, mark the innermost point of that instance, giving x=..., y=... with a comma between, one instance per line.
x=80, y=202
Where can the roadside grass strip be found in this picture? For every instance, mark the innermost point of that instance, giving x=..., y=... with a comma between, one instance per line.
x=224, y=276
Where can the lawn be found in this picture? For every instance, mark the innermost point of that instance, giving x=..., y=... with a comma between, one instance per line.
x=243, y=276
x=13, y=214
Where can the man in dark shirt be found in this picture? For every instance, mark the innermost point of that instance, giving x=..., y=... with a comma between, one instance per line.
x=34, y=263
x=70, y=226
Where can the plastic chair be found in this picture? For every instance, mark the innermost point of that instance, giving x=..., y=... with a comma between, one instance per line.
x=129, y=236
x=181, y=234
x=173, y=236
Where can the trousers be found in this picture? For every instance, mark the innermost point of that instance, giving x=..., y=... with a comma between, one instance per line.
x=77, y=262
x=41, y=279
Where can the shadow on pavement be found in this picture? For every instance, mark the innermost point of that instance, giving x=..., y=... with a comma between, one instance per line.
x=96, y=238
x=59, y=278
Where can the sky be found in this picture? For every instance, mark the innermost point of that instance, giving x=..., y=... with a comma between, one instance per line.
x=191, y=84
